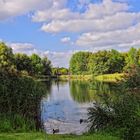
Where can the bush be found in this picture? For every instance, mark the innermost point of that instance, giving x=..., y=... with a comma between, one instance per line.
x=20, y=102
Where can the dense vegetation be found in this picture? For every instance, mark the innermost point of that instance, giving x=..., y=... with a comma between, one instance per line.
x=119, y=112
x=20, y=94
x=103, y=62
x=115, y=111
x=40, y=136
x=23, y=64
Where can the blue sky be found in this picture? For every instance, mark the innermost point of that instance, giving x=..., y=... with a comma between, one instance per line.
x=58, y=28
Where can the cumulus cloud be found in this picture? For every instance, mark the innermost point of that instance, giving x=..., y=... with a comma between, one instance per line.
x=125, y=37
x=59, y=59
x=12, y=8
x=21, y=47
x=94, y=18
x=102, y=25
x=117, y=21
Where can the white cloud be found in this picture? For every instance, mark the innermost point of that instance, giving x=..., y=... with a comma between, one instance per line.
x=59, y=59
x=96, y=17
x=120, y=38
x=21, y=46
x=118, y=21
x=12, y=8
x=102, y=26
x=66, y=40
x=51, y=14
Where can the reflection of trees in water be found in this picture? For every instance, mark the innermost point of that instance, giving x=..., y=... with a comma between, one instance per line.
x=87, y=91
x=48, y=85
x=80, y=91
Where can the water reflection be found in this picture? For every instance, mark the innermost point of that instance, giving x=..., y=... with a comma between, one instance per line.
x=67, y=103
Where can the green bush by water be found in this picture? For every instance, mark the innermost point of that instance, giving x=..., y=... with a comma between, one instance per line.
x=117, y=113
x=20, y=103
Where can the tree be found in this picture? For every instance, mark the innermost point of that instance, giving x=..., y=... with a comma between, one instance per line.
x=132, y=58
x=115, y=62
x=79, y=63
x=46, y=66
x=99, y=63
x=23, y=62
x=37, y=66
x=6, y=58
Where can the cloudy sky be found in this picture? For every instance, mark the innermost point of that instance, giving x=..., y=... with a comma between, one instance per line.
x=58, y=28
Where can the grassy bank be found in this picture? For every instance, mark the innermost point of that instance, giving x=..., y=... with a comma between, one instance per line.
x=104, y=78
x=110, y=77
x=75, y=77
x=41, y=136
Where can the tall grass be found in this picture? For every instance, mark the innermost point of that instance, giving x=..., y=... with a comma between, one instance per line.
x=20, y=103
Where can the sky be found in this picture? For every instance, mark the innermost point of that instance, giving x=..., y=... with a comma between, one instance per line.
x=59, y=28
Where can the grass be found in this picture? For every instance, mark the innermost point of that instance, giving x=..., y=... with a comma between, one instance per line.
x=75, y=77
x=104, y=78
x=41, y=136
x=110, y=77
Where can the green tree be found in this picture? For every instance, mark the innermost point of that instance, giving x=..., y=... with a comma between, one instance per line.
x=6, y=58
x=23, y=62
x=99, y=63
x=46, y=66
x=37, y=66
x=79, y=63
x=132, y=58
x=115, y=62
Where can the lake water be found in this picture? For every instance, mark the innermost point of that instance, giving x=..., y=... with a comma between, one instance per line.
x=65, y=104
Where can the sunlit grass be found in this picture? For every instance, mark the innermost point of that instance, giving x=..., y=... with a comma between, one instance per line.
x=104, y=78
x=76, y=77
x=110, y=77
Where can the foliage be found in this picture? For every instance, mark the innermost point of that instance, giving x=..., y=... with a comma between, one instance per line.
x=79, y=63
x=119, y=112
x=60, y=71
x=132, y=77
x=103, y=62
x=21, y=96
x=42, y=136
x=116, y=77
x=6, y=58
x=21, y=63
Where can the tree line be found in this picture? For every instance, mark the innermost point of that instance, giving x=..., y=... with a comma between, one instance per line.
x=104, y=62
x=32, y=65
x=22, y=63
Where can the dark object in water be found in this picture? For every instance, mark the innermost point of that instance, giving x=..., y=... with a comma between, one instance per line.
x=55, y=131
x=81, y=120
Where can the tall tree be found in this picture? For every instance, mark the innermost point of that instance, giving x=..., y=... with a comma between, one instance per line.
x=37, y=66
x=6, y=57
x=79, y=63
x=132, y=58
x=46, y=66
x=23, y=62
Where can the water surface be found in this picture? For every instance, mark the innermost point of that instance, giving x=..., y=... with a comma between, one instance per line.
x=64, y=106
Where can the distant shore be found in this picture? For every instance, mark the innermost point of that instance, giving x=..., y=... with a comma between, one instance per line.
x=103, y=78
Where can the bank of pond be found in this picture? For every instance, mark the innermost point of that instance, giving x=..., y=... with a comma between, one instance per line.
x=114, y=110
x=102, y=78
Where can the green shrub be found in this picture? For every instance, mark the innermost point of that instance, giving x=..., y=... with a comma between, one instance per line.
x=20, y=98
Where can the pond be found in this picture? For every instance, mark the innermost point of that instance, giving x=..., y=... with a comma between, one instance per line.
x=66, y=104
